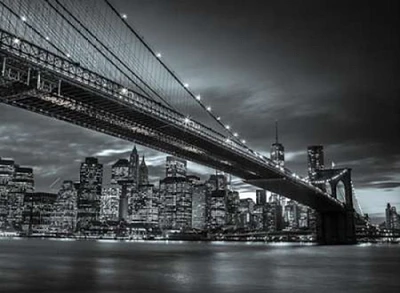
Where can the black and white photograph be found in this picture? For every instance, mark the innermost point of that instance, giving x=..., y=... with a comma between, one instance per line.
x=195, y=146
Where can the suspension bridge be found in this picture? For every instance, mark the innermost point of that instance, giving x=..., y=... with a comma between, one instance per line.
x=83, y=63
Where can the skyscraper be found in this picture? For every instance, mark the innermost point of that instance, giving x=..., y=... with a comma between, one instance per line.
x=315, y=155
x=7, y=169
x=38, y=211
x=277, y=149
x=175, y=167
x=216, y=201
x=261, y=196
x=110, y=199
x=90, y=188
x=232, y=208
x=120, y=171
x=175, y=203
x=143, y=173
x=134, y=167
x=144, y=206
x=65, y=210
x=199, y=206
x=22, y=183
x=392, y=218
x=278, y=157
x=292, y=215
x=175, y=196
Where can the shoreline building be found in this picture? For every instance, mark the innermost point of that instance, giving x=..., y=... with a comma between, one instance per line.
x=89, y=194
x=392, y=218
x=315, y=156
x=315, y=162
x=38, y=211
x=7, y=169
x=175, y=196
x=216, y=201
x=65, y=209
x=22, y=183
x=199, y=206
x=232, y=209
x=144, y=201
x=276, y=200
x=133, y=171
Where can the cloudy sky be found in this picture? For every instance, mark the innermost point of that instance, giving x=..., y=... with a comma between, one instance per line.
x=327, y=70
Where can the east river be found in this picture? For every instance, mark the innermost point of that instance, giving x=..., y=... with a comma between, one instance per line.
x=35, y=265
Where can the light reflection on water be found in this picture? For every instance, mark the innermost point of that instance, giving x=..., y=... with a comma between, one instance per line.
x=34, y=265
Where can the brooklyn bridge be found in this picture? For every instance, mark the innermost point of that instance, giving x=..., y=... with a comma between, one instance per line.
x=83, y=63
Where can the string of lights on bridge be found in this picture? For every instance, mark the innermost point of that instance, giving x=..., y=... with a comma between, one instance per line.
x=196, y=97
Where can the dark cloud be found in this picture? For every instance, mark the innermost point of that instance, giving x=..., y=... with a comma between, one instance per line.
x=327, y=70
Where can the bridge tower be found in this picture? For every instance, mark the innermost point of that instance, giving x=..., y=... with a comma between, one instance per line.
x=336, y=227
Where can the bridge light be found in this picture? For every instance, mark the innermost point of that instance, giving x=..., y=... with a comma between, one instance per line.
x=186, y=85
x=68, y=55
x=124, y=16
x=208, y=108
x=227, y=127
x=198, y=97
x=235, y=134
x=228, y=140
x=186, y=120
x=243, y=141
x=124, y=91
x=23, y=18
x=158, y=55
x=47, y=39
x=16, y=41
x=218, y=118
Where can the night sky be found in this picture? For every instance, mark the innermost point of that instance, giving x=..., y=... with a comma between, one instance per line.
x=327, y=70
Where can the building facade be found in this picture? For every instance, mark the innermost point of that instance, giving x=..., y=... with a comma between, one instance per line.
x=89, y=193
x=175, y=203
x=315, y=159
x=65, y=210
x=175, y=167
x=199, y=206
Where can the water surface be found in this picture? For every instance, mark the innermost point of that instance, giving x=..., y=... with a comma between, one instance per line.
x=34, y=265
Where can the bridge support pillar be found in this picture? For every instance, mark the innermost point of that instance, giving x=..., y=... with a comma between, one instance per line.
x=336, y=228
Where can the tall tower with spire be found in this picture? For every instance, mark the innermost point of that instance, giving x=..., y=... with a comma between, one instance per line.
x=277, y=149
x=277, y=201
x=143, y=173
x=134, y=166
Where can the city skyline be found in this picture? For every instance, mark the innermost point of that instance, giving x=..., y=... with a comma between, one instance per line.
x=315, y=92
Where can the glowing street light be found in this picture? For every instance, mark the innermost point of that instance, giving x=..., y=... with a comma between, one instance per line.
x=218, y=118
x=186, y=85
x=243, y=141
x=198, y=97
x=158, y=55
x=16, y=41
x=124, y=91
x=23, y=18
x=208, y=108
x=235, y=134
x=227, y=127
x=124, y=16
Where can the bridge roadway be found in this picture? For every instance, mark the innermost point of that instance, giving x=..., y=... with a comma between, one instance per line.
x=37, y=80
